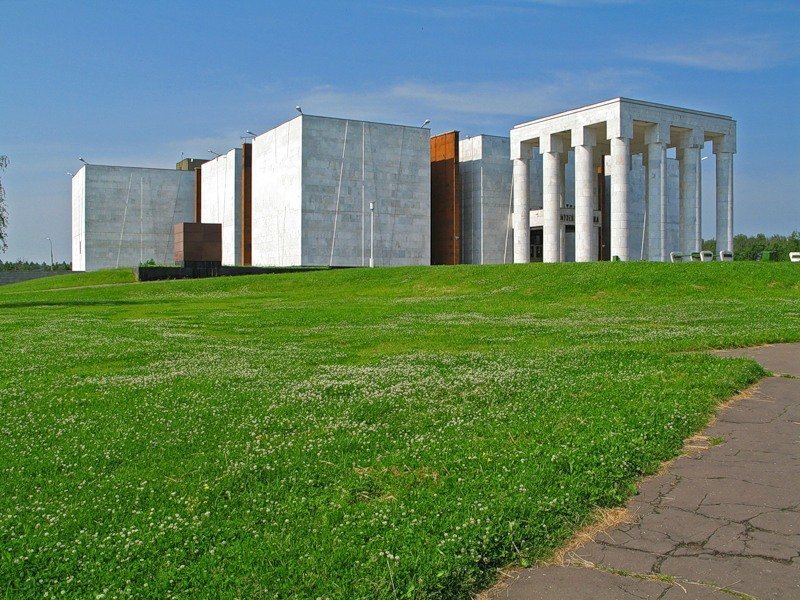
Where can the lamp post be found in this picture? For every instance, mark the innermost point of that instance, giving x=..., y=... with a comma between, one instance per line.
x=371, y=234
x=51, y=253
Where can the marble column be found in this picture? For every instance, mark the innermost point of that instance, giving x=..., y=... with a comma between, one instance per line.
x=620, y=168
x=698, y=207
x=562, y=203
x=724, y=200
x=689, y=195
x=656, y=221
x=585, y=183
x=551, y=165
x=522, y=215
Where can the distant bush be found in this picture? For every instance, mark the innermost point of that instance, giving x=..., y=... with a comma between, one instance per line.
x=27, y=265
x=751, y=247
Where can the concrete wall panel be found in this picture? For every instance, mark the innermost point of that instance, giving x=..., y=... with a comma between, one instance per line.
x=79, y=221
x=128, y=214
x=486, y=194
x=312, y=175
x=277, y=195
x=221, y=202
x=392, y=165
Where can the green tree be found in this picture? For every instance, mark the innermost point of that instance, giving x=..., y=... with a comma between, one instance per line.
x=3, y=212
x=752, y=247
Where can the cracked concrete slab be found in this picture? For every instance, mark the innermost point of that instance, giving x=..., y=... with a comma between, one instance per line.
x=625, y=559
x=721, y=522
x=690, y=591
x=779, y=521
x=750, y=575
x=778, y=358
x=595, y=585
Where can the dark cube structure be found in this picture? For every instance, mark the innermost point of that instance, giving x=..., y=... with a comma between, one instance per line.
x=198, y=245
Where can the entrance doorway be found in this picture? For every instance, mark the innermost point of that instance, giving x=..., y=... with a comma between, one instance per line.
x=537, y=241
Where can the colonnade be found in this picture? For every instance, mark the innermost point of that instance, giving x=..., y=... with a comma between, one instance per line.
x=621, y=128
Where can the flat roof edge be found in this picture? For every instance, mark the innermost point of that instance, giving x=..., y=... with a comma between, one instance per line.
x=367, y=122
x=282, y=123
x=491, y=135
x=623, y=100
x=131, y=167
x=676, y=108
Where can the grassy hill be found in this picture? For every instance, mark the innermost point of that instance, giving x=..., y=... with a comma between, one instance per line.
x=352, y=433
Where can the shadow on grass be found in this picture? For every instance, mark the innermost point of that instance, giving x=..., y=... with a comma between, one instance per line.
x=73, y=303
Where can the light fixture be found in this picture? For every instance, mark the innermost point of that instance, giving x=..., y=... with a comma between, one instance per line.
x=371, y=234
x=217, y=154
x=83, y=160
x=51, y=253
x=427, y=121
x=70, y=173
x=298, y=109
x=248, y=132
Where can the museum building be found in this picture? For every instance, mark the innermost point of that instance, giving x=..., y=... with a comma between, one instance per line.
x=616, y=180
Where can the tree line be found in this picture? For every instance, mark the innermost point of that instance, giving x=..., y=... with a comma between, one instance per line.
x=28, y=265
x=752, y=247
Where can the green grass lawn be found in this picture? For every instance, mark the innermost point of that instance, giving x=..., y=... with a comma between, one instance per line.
x=386, y=433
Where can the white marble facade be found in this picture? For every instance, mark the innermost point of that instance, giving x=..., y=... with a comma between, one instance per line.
x=623, y=133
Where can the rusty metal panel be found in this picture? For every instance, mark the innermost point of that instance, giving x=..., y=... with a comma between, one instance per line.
x=247, y=204
x=445, y=200
x=198, y=242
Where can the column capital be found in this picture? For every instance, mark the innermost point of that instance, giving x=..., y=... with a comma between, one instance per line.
x=619, y=127
x=693, y=138
x=724, y=144
x=551, y=143
x=657, y=133
x=521, y=151
x=583, y=136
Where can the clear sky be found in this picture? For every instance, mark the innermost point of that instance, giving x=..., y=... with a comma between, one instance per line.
x=139, y=83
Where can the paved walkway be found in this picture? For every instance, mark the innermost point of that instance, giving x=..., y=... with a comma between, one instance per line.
x=721, y=522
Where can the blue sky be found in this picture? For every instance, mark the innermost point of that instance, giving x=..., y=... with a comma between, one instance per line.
x=138, y=83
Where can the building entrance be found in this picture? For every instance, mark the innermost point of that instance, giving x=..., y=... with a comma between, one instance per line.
x=537, y=241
